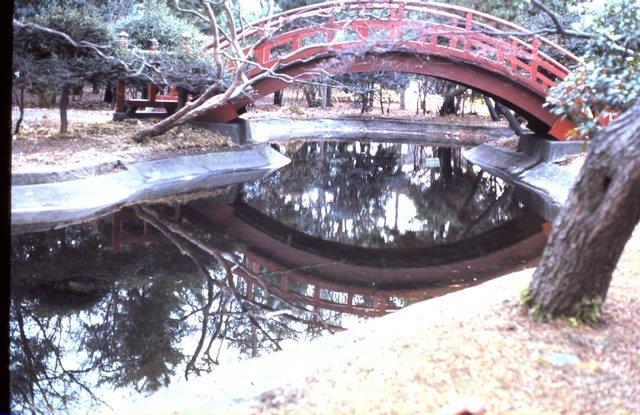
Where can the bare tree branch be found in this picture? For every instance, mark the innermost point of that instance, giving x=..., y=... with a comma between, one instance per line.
x=176, y=5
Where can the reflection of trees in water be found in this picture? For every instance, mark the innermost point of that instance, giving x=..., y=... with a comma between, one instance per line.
x=83, y=315
x=358, y=193
x=251, y=319
x=96, y=311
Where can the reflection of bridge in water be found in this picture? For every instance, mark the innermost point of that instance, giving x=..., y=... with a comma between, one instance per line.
x=326, y=275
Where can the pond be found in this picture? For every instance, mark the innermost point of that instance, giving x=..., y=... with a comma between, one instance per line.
x=173, y=287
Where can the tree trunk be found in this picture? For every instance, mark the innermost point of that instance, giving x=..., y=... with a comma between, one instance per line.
x=448, y=106
x=598, y=218
x=183, y=97
x=277, y=97
x=64, y=104
x=309, y=92
x=403, y=99
x=325, y=95
x=381, y=101
x=109, y=96
x=449, y=103
x=363, y=103
x=444, y=157
x=511, y=119
x=20, y=99
x=77, y=92
x=492, y=110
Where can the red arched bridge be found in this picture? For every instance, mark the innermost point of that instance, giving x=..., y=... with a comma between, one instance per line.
x=499, y=58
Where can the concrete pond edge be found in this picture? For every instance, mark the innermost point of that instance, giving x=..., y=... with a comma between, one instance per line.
x=542, y=184
x=43, y=205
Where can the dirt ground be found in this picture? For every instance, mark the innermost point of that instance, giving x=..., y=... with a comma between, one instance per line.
x=264, y=109
x=494, y=360
x=93, y=138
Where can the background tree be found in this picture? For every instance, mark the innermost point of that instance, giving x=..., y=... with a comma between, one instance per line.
x=153, y=19
x=52, y=63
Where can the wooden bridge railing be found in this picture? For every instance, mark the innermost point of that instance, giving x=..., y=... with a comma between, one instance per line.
x=415, y=26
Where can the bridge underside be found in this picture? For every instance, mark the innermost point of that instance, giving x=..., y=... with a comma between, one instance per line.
x=506, y=91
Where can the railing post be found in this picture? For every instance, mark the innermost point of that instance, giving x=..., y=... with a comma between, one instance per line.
x=469, y=27
x=262, y=55
x=535, y=46
x=453, y=38
x=296, y=44
x=331, y=29
x=254, y=267
x=396, y=12
x=513, y=55
x=433, y=39
x=152, y=91
x=377, y=303
x=469, y=21
x=121, y=89
x=363, y=32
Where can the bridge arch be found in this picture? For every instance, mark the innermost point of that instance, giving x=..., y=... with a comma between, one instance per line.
x=439, y=40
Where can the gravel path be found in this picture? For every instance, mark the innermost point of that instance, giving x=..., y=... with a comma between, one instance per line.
x=52, y=115
x=495, y=357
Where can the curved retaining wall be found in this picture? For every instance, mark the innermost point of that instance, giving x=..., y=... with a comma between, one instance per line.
x=542, y=184
x=45, y=205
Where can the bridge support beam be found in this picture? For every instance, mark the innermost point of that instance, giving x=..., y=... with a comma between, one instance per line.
x=561, y=129
x=238, y=130
x=223, y=113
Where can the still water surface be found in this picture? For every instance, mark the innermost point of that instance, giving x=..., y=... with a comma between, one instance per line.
x=171, y=288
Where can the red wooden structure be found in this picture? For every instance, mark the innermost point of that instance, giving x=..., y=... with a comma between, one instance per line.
x=155, y=100
x=475, y=49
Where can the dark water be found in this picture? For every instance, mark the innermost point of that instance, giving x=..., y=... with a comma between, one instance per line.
x=171, y=288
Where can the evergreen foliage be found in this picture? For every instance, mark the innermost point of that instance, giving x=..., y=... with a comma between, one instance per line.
x=152, y=19
x=608, y=80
